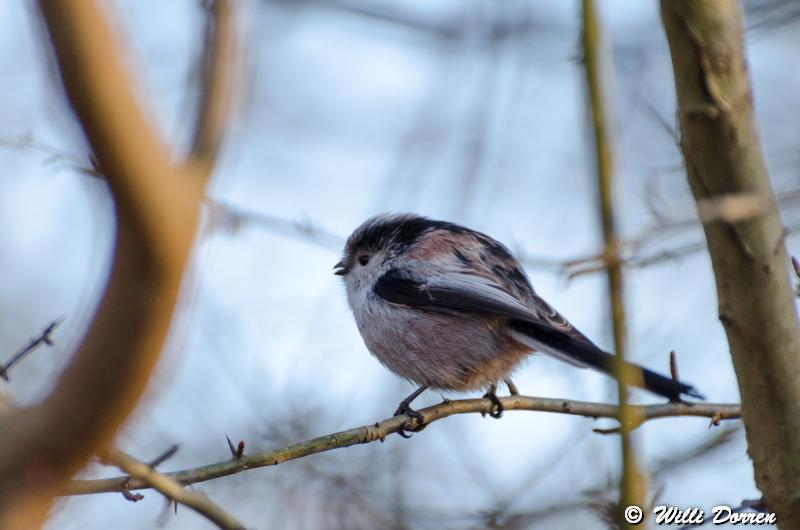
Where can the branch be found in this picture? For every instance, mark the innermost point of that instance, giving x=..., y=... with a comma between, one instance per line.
x=633, y=483
x=588, y=497
x=156, y=212
x=723, y=155
x=44, y=338
x=228, y=217
x=53, y=154
x=171, y=489
x=218, y=66
x=380, y=430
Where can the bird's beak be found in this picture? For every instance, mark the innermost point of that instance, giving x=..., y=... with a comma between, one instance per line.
x=340, y=269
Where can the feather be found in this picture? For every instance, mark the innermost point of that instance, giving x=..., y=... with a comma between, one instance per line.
x=537, y=325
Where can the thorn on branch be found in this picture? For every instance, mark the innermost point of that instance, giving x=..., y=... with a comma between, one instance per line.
x=715, y=420
x=673, y=366
x=44, y=338
x=634, y=424
x=236, y=452
x=166, y=455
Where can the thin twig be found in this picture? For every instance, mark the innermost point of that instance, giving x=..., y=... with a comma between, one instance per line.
x=633, y=486
x=230, y=218
x=44, y=338
x=689, y=458
x=55, y=154
x=171, y=489
x=669, y=465
x=597, y=263
x=380, y=430
x=163, y=457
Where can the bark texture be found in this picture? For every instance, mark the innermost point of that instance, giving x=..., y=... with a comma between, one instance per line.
x=724, y=160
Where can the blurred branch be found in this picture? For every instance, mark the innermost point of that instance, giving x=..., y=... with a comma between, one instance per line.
x=218, y=69
x=723, y=155
x=633, y=485
x=597, y=262
x=157, y=208
x=519, y=23
x=770, y=14
x=54, y=154
x=589, y=498
x=380, y=430
x=44, y=338
x=230, y=218
x=690, y=457
x=519, y=520
x=394, y=14
x=173, y=490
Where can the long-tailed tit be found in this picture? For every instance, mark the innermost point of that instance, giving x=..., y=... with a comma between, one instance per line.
x=450, y=308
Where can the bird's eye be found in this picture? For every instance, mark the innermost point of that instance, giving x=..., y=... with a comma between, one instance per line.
x=363, y=259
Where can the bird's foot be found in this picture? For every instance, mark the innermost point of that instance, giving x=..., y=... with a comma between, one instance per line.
x=496, y=411
x=405, y=409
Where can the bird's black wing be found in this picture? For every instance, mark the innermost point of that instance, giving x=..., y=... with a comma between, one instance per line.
x=539, y=326
x=453, y=291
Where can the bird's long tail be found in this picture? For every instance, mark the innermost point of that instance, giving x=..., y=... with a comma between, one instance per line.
x=580, y=351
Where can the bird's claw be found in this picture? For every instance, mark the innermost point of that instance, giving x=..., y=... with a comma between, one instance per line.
x=496, y=411
x=405, y=409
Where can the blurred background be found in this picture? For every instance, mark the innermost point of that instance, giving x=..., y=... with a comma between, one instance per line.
x=471, y=111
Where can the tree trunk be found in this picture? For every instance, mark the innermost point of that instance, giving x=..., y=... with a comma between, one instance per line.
x=727, y=173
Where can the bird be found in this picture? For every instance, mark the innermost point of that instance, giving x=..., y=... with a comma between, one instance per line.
x=450, y=308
